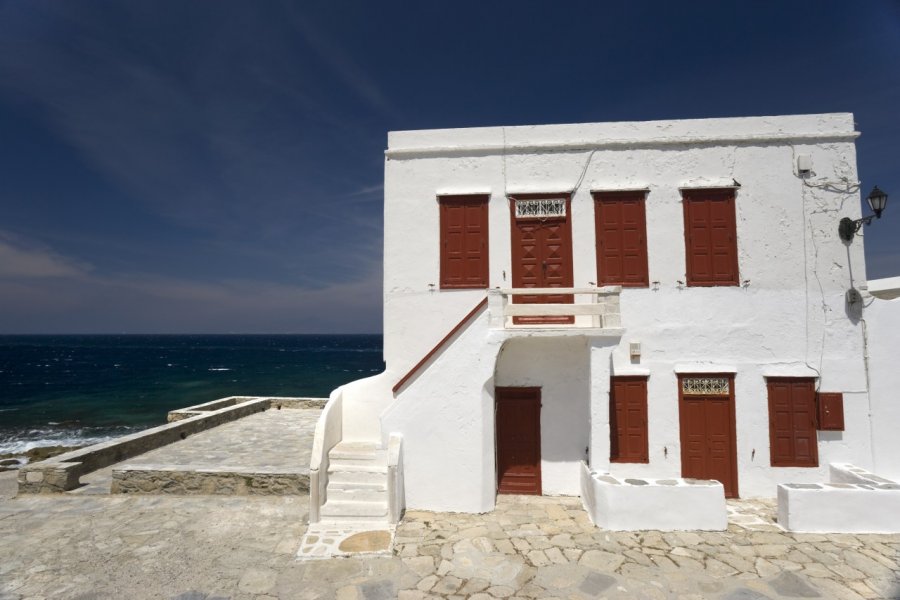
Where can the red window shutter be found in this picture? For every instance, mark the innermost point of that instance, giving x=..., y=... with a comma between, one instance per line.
x=792, y=422
x=710, y=237
x=831, y=411
x=464, y=241
x=621, y=231
x=628, y=420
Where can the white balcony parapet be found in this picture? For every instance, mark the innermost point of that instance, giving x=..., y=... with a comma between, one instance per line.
x=593, y=308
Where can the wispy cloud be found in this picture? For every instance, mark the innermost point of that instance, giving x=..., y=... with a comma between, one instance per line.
x=42, y=291
x=20, y=259
x=341, y=62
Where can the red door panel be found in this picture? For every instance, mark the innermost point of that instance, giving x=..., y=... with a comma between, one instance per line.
x=708, y=440
x=518, y=419
x=542, y=258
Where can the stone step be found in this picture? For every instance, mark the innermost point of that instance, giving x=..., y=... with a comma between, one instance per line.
x=353, y=466
x=354, y=477
x=356, y=494
x=357, y=451
x=354, y=511
x=379, y=461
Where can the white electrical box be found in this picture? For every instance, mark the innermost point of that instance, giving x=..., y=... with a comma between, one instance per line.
x=635, y=349
x=804, y=163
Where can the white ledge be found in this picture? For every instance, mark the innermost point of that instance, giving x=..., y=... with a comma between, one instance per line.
x=630, y=371
x=463, y=191
x=704, y=368
x=789, y=371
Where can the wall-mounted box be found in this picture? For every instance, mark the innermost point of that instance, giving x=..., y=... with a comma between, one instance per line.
x=830, y=411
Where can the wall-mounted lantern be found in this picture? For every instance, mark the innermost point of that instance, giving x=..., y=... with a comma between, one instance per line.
x=847, y=228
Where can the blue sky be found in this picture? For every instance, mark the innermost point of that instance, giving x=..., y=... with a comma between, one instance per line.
x=174, y=166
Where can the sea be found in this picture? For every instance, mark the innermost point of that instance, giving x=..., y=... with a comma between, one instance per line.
x=72, y=390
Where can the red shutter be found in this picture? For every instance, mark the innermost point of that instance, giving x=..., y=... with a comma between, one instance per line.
x=464, y=241
x=628, y=419
x=621, y=232
x=792, y=422
x=711, y=237
x=831, y=411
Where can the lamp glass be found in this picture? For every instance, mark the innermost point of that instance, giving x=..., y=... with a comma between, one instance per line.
x=877, y=200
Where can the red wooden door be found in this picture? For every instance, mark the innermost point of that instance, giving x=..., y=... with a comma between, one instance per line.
x=708, y=448
x=518, y=418
x=542, y=258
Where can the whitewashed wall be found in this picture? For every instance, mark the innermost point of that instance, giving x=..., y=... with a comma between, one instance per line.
x=788, y=317
x=883, y=325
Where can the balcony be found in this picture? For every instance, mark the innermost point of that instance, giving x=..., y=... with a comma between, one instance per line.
x=590, y=311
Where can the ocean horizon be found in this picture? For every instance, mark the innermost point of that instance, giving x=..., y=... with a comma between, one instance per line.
x=78, y=389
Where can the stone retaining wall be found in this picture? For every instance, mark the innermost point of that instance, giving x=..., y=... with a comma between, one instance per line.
x=174, y=479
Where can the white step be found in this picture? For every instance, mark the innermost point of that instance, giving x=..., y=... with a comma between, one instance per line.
x=342, y=476
x=337, y=510
x=357, y=451
x=355, y=493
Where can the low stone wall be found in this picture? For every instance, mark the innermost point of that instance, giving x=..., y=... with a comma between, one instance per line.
x=63, y=472
x=855, y=501
x=174, y=479
x=276, y=402
x=657, y=504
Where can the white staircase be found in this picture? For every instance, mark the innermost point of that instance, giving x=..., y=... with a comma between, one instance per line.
x=357, y=490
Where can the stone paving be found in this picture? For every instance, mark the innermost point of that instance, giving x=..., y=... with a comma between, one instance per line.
x=270, y=442
x=216, y=547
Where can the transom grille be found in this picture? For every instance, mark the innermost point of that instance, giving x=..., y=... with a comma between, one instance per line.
x=540, y=209
x=705, y=386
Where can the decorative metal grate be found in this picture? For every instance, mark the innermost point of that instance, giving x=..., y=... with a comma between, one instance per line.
x=540, y=209
x=705, y=386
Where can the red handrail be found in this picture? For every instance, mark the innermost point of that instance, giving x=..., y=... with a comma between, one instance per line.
x=438, y=346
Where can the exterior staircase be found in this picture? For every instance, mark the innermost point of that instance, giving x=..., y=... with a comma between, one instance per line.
x=357, y=490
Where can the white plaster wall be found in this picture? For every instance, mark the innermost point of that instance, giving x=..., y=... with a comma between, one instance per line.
x=788, y=317
x=883, y=326
x=561, y=368
x=446, y=417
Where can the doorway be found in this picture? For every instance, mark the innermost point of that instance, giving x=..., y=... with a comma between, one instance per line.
x=518, y=435
x=708, y=440
x=542, y=251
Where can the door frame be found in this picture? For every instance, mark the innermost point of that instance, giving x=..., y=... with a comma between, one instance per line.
x=568, y=258
x=731, y=423
x=498, y=391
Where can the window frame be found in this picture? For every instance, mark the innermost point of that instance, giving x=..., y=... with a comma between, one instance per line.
x=483, y=202
x=642, y=277
x=689, y=196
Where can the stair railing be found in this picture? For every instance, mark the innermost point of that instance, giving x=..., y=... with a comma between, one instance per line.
x=462, y=323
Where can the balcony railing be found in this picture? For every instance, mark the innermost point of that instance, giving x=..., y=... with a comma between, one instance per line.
x=594, y=308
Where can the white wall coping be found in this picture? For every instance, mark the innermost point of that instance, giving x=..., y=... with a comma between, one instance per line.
x=704, y=367
x=886, y=288
x=588, y=136
x=619, y=187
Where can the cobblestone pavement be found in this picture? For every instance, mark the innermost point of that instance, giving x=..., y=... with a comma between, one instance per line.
x=215, y=547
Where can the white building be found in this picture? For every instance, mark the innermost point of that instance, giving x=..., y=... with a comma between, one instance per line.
x=692, y=319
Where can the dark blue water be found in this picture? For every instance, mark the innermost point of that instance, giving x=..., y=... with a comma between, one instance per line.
x=77, y=389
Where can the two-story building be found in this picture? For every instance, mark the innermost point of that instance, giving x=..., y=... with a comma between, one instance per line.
x=661, y=299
